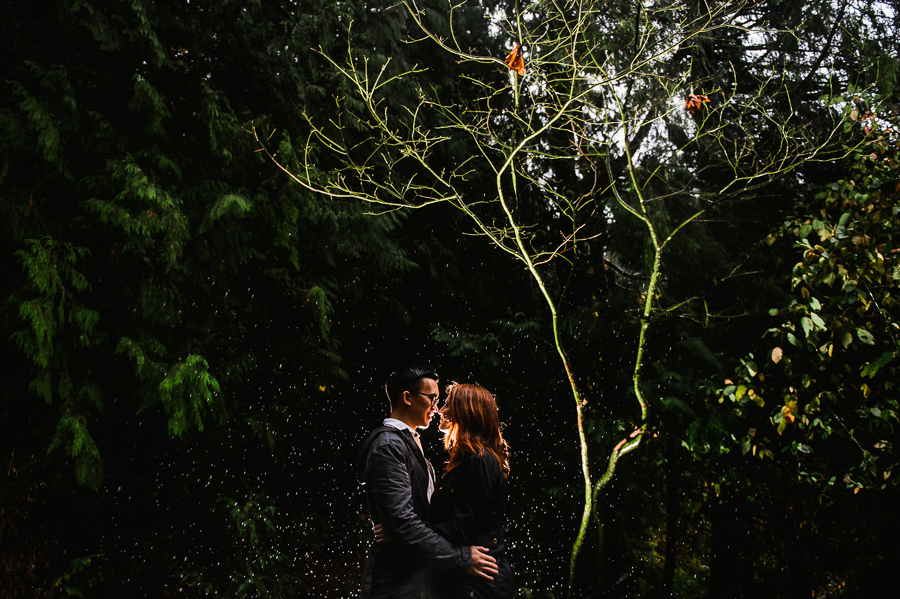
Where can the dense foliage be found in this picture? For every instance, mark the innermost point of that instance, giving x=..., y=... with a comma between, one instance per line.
x=195, y=344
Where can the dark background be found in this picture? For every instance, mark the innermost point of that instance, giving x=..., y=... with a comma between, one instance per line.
x=126, y=131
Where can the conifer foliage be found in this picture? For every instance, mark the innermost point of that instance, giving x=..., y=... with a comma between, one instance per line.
x=162, y=281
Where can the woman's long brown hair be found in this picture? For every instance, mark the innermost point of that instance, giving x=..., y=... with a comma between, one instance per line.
x=474, y=426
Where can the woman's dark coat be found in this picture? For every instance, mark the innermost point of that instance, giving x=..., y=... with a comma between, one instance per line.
x=468, y=509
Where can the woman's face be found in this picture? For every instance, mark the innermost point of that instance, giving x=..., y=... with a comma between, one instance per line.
x=444, y=424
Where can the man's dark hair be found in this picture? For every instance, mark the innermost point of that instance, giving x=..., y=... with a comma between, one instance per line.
x=406, y=379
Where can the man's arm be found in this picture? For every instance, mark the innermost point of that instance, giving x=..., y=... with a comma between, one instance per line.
x=482, y=564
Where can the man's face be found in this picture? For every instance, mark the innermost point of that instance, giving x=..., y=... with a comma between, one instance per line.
x=422, y=407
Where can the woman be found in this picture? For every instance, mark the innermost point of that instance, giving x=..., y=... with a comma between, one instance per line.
x=468, y=507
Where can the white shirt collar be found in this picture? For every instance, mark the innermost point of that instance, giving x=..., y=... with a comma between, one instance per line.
x=399, y=425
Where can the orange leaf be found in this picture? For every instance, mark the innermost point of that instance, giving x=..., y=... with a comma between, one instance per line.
x=695, y=101
x=786, y=410
x=515, y=61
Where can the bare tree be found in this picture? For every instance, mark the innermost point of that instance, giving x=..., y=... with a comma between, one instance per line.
x=607, y=94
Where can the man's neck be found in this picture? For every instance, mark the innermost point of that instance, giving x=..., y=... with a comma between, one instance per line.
x=404, y=419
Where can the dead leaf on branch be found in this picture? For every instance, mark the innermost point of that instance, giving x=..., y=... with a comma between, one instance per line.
x=695, y=102
x=515, y=61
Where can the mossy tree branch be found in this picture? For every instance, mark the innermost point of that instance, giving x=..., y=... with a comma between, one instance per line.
x=581, y=102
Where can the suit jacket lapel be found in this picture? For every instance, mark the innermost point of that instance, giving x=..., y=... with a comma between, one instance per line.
x=411, y=442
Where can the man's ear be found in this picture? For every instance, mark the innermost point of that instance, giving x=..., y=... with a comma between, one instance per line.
x=405, y=398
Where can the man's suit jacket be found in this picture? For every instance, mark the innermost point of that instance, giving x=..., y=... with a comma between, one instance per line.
x=395, y=475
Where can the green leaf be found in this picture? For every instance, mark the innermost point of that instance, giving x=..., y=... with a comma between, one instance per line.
x=871, y=369
x=806, y=324
x=757, y=399
x=782, y=424
x=865, y=336
x=817, y=320
x=846, y=339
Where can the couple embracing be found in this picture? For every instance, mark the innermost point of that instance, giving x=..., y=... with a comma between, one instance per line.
x=437, y=536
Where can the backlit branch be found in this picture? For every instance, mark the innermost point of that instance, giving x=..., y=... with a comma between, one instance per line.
x=582, y=103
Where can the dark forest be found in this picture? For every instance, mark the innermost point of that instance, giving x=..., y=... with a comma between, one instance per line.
x=661, y=233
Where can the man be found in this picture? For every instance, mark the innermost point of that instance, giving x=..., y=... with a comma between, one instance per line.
x=399, y=482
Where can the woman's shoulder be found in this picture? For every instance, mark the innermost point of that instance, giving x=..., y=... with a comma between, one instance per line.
x=485, y=462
